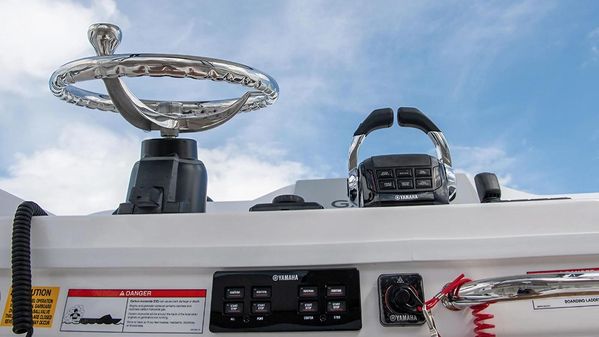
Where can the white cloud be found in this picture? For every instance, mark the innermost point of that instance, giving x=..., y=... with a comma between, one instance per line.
x=473, y=160
x=236, y=173
x=38, y=36
x=481, y=32
x=87, y=170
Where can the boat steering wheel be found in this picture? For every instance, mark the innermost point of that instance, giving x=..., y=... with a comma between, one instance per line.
x=170, y=117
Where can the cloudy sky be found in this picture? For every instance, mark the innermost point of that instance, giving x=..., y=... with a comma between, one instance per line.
x=514, y=86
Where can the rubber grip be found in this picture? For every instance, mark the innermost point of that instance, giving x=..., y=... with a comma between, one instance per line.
x=414, y=118
x=378, y=119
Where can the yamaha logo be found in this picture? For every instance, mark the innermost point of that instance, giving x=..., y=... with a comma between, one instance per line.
x=406, y=196
x=285, y=277
x=403, y=318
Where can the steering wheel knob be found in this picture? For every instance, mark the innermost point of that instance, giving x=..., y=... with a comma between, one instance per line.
x=170, y=117
x=104, y=37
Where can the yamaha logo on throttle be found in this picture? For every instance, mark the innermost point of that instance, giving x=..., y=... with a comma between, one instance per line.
x=406, y=197
x=285, y=277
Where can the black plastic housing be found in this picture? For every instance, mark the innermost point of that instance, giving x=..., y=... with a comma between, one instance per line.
x=376, y=192
x=168, y=178
x=414, y=118
x=400, y=295
x=488, y=188
x=378, y=119
x=286, y=202
x=285, y=300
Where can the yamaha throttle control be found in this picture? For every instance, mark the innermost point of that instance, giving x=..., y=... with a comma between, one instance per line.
x=400, y=179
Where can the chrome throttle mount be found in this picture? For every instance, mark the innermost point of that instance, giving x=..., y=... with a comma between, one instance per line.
x=400, y=179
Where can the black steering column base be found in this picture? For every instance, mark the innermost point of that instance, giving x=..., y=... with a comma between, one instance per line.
x=168, y=178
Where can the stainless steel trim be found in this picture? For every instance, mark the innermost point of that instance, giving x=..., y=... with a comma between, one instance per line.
x=444, y=157
x=354, y=148
x=441, y=146
x=524, y=287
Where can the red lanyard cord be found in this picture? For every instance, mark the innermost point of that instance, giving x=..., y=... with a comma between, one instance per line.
x=481, y=325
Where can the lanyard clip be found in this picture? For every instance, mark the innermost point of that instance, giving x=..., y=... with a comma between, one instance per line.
x=430, y=322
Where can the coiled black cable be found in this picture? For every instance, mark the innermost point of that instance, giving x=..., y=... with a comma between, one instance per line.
x=22, y=316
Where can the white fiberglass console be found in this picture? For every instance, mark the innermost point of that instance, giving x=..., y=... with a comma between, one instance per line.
x=103, y=275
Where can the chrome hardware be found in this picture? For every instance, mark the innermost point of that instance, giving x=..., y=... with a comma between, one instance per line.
x=524, y=287
x=170, y=117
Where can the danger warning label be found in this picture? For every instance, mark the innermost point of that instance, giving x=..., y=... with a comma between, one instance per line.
x=135, y=310
x=44, y=305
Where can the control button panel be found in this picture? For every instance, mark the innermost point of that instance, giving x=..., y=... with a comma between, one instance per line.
x=286, y=300
x=405, y=178
x=400, y=295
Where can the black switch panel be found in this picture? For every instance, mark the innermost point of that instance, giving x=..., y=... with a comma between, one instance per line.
x=298, y=300
x=402, y=179
x=400, y=295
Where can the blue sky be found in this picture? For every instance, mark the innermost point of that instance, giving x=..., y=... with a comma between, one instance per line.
x=514, y=86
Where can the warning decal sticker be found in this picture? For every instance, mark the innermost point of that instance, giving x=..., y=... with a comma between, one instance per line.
x=44, y=305
x=135, y=310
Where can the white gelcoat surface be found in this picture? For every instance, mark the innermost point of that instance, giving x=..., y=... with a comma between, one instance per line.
x=439, y=242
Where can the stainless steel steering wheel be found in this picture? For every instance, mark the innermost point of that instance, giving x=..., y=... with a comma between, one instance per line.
x=170, y=117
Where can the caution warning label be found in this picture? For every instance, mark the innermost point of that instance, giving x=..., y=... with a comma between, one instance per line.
x=135, y=310
x=44, y=305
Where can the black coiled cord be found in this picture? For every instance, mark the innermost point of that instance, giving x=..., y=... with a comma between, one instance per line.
x=22, y=316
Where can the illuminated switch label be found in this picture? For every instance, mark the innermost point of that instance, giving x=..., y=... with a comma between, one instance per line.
x=336, y=306
x=234, y=293
x=260, y=308
x=262, y=292
x=233, y=308
x=308, y=307
x=335, y=291
x=308, y=291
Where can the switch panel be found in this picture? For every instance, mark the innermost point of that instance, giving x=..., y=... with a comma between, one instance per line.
x=400, y=295
x=286, y=300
